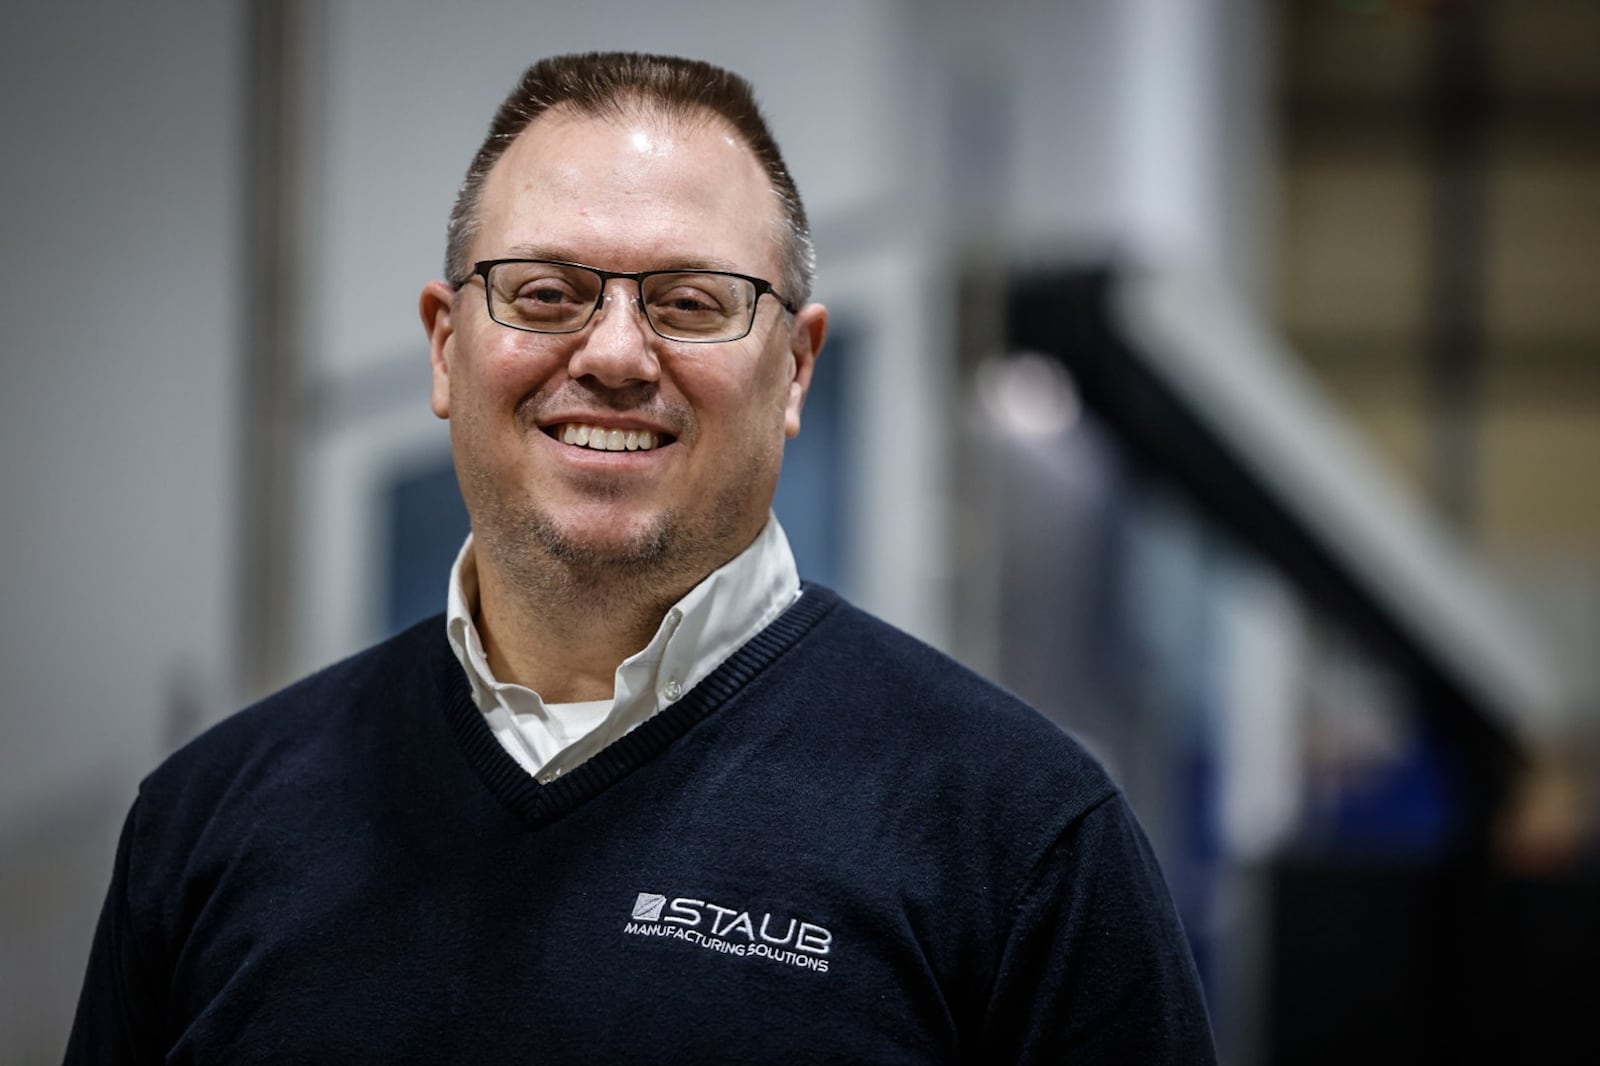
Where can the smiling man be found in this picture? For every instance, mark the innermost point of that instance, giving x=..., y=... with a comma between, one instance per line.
x=638, y=794
x=617, y=438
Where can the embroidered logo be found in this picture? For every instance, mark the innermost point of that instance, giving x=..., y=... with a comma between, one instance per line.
x=732, y=931
x=647, y=908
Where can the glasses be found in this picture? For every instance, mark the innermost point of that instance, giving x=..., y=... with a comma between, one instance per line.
x=548, y=296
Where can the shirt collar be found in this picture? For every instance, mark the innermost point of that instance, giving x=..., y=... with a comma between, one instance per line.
x=712, y=621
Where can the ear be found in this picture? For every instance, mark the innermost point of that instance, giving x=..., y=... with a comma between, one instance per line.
x=805, y=341
x=437, y=306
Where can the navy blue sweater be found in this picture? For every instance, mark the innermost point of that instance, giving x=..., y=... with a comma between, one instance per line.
x=841, y=846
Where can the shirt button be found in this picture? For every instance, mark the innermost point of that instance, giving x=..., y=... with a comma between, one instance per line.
x=671, y=690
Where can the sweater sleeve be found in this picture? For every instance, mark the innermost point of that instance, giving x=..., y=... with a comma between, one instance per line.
x=1096, y=968
x=118, y=1016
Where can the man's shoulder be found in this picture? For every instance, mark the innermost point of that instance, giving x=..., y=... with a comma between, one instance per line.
x=313, y=712
x=876, y=654
x=892, y=683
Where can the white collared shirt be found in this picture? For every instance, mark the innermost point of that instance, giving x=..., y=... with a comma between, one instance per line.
x=712, y=621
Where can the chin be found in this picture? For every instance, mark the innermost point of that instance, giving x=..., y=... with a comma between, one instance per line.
x=612, y=541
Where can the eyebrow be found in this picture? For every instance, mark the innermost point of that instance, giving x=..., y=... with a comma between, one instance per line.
x=532, y=251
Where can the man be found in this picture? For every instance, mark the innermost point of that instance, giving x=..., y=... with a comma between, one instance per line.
x=639, y=795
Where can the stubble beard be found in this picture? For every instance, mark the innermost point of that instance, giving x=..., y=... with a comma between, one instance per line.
x=550, y=568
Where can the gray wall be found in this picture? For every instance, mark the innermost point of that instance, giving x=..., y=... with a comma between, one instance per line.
x=116, y=422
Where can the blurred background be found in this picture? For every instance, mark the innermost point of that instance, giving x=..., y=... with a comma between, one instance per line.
x=1222, y=375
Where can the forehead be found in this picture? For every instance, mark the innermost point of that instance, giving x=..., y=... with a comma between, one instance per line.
x=631, y=192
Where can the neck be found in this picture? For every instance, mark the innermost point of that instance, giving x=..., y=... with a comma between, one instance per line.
x=563, y=632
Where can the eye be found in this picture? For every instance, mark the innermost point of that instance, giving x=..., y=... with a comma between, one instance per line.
x=546, y=290
x=543, y=296
x=685, y=301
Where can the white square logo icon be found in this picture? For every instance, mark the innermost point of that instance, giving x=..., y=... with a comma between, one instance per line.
x=647, y=908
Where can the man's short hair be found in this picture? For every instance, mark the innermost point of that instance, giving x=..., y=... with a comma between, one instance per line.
x=610, y=85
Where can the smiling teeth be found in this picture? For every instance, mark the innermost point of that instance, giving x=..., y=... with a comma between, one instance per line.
x=608, y=440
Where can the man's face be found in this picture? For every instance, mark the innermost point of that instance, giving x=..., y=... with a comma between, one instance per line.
x=621, y=194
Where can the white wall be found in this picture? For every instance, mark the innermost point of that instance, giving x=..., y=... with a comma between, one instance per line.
x=117, y=426
x=117, y=418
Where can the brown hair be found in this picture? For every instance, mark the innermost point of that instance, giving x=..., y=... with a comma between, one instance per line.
x=607, y=85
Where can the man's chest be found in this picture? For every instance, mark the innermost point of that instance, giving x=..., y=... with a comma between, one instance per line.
x=694, y=941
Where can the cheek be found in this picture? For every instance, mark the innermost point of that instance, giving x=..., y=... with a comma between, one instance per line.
x=485, y=398
x=776, y=372
x=781, y=391
x=499, y=377
x=753, y=405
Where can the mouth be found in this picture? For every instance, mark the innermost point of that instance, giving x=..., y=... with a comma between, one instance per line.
x=606, y=438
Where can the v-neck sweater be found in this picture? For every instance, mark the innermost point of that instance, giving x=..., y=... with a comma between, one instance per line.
x=840, y=846
x=537, y=803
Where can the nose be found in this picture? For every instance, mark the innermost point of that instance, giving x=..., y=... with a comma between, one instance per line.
x=617, y=348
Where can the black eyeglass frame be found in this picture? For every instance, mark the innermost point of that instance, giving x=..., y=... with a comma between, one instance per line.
x=763, y=287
